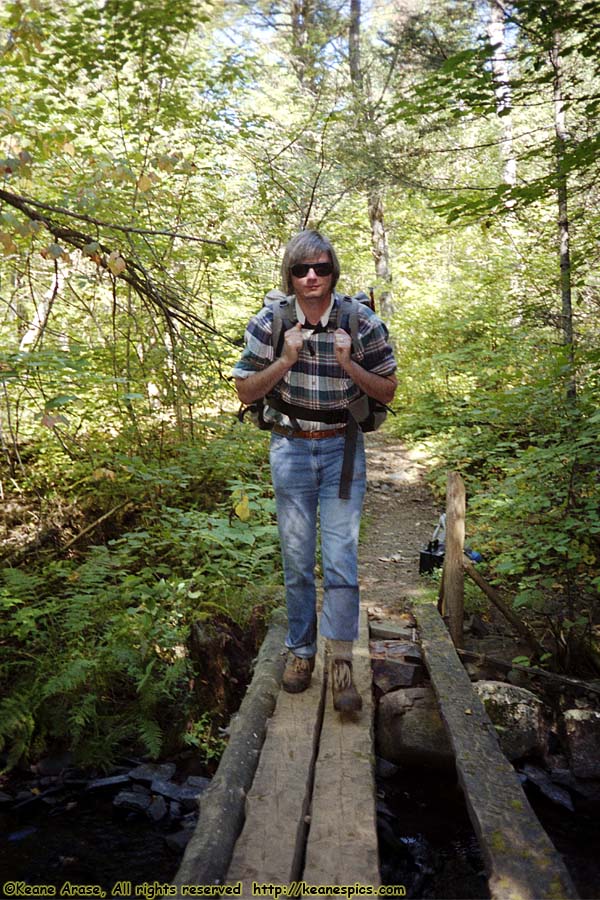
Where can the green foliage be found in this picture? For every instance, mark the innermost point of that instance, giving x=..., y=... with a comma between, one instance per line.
x=208, y=745
x=95, y=653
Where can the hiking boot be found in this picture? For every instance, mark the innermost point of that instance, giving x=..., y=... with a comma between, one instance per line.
x=297, y=673
x=346, y=698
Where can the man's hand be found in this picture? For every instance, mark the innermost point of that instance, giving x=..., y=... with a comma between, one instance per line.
x=380, y=387
x=292, y=344
x=343, y=347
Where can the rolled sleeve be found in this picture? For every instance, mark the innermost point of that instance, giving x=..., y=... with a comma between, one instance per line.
x=378, y=355
x=258, y=350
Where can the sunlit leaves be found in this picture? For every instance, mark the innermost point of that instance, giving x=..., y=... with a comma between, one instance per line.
x=144, y=183
x=116, y=263
x=55, y=252
x=242, y=508
x=8, y=245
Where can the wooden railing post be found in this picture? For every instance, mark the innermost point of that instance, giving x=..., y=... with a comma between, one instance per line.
x=453, y=573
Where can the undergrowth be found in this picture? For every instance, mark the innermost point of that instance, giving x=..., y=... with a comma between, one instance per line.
x=533, y=506
x=95, y=644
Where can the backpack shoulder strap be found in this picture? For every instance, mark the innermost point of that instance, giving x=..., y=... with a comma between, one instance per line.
x=348, y=319
x=282, y=320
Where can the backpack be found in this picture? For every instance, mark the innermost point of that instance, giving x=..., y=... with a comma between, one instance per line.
x=368, y=413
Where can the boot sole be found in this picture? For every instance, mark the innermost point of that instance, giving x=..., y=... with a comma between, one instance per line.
x=295, y=688
x=351, y=706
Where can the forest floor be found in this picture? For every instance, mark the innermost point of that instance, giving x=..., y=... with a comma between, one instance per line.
x=399, y=516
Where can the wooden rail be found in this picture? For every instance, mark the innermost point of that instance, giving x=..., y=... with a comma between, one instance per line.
x=521, y=861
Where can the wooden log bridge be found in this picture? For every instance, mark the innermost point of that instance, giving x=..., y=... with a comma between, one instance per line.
x=299, y=808
x=310, y=814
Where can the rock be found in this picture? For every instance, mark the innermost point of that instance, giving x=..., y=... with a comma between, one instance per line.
x=402, y=651
x=543, y=781
x=389, y=674
x=179, y=840
x=109, y=782
x=410, y=730
x=157, y=809
x=564, y=777
x=54, y=765
x=150, y=771
x=198, y=782
x=518, y=677
x=132, y=800
x=388, y=630
x=476, y=626
x=518, y=716
x=22, y=833
x=187, y=796
x=582, y=727
x=472, y=671
x=175, y=809
x=385, y=769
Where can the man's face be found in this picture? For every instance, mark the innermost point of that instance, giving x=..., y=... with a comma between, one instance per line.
x=313, y=288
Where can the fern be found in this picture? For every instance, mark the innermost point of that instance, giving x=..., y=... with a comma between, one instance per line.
x=151, y=736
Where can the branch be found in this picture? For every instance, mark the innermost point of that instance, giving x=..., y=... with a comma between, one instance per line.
x=499, y=603
x=165, y=298
x=128, y=229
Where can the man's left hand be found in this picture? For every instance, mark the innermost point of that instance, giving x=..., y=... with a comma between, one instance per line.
x=343, y=347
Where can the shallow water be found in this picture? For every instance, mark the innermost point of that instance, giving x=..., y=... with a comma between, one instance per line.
x=87, y=843
x=426, y=841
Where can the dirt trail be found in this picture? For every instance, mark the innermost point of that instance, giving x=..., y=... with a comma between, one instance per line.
x=399, y=517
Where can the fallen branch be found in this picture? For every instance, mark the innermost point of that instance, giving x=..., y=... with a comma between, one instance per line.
x=93, y=525
x=566, y=684
x=501, y=606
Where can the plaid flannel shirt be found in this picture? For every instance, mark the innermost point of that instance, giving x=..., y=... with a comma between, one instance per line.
x=317, y=380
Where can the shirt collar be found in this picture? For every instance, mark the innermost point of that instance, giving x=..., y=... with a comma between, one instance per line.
x=324, y=318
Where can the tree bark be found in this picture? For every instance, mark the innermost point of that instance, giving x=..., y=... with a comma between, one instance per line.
x=375, y=197
x=496, y=34
x=37, y=326
x=560, y=129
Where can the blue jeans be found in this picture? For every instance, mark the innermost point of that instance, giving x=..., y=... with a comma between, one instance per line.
x=306, y=478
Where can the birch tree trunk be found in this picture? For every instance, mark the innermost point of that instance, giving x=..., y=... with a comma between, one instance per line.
x=496, y=34
x=560, y=129
x=37, y=326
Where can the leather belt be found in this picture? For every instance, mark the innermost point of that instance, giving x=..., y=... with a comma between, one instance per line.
x=311, y=435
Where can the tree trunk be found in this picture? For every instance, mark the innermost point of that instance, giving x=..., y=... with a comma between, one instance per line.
x=302, y=15
x=37, y=326
x=375, y=197
x=562, y=137
x=496, y=34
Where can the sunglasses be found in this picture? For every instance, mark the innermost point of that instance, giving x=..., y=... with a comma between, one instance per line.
x=301, y=270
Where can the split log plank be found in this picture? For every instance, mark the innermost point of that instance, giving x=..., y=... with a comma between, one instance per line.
x=342, y=841
x=208, y=854
x=270, y=848
x=521, y=861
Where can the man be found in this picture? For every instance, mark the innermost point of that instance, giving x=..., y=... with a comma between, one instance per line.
x=314, y=377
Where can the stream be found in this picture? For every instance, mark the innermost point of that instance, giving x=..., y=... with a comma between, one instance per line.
x=71, y=834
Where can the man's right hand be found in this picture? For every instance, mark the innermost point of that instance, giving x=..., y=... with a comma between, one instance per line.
x=292, y=344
